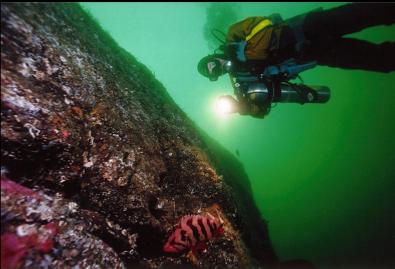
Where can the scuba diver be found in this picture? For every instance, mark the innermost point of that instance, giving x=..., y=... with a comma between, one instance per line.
x=262, y=54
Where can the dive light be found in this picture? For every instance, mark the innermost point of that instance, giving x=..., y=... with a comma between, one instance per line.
x=226, y=104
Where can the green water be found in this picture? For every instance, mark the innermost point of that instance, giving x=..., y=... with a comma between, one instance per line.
x=322, y=175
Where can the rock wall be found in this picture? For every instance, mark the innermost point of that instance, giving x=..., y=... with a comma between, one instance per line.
x=98, y=162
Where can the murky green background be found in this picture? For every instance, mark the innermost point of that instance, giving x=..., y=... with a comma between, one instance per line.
x=322, y=175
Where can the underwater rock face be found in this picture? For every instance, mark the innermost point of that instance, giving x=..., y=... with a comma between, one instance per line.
x=41, y=231
x=99, y=162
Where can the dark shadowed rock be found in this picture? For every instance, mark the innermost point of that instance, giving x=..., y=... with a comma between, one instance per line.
x=104, y=160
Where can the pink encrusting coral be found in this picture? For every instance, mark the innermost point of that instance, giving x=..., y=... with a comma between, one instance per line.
x=12, y=251
x=15, y=244
x=11, y=186
x=192, y=232
x=40, y=229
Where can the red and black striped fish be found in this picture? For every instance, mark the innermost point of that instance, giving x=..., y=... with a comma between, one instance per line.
x=192, y=232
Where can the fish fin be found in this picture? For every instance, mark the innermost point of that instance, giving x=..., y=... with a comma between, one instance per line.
x=216, y=206
x=192, y=257
x=211, y=216
x=221, y=221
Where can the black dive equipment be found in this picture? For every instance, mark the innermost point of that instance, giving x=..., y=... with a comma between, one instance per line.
x=261, y=91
